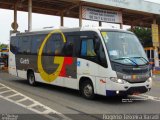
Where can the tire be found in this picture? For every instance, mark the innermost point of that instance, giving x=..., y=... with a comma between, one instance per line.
x=87, y=90
x=31, y=79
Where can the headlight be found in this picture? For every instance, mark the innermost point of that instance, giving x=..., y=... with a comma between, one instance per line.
x=120, y=81
x=149, y=79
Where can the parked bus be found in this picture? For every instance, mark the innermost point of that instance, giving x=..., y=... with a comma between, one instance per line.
x=100, y=61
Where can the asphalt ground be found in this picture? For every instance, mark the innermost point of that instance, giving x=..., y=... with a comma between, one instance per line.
x=12, y=111
x=71, y=105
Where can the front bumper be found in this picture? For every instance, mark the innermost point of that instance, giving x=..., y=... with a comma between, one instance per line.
x=127, y=88
x=130, y=91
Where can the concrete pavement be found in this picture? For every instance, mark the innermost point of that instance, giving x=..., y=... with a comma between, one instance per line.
x=71, y=104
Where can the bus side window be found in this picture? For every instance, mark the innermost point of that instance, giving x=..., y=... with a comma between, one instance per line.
x=87, y=48
x=68, y=48
x=24, y=45
x=92, y=49
x=36, y=43
x=84, y=48
x=14, y=45
x=72, y=45
x=54, y=45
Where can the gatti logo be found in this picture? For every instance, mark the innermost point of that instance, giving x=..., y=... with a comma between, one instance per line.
x=24, y=61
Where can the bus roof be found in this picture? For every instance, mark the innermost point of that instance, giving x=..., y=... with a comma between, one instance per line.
x=45, y=31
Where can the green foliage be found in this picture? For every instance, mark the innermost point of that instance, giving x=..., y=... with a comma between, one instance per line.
x=144, y=35
x=3, y=46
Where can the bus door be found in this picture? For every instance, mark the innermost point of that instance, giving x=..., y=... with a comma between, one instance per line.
x=102, y=68
x=92, y=50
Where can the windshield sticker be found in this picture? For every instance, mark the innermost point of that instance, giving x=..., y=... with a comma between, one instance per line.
x=105, y=36
x=113, y=53
x=78, y=63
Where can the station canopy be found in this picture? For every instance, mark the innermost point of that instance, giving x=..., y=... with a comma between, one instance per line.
x=135, y=12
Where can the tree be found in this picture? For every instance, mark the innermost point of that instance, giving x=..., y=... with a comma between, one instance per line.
x=144, y=35
x=3, y=46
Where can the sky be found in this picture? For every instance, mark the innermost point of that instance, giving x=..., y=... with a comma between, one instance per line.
x=156, y=1
x=40, y=21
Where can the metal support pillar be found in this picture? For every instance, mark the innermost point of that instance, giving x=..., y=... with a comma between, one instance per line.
x=132, y=27
x=156, y=56
x=62, y=20
x=29, y=15
x=121, y=25
x=14, y=24
x=80, y=15
x=159, y=33
x=100, y=24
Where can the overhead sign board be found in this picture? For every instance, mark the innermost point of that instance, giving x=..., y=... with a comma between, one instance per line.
x=155, y=35
x=137, y=5
x=96, y=14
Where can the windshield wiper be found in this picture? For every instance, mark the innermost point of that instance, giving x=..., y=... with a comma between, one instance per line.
x=142, y=58
x=128, y=59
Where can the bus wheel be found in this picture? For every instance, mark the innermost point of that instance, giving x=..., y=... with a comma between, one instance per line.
x=87, y=90
x=31, y=79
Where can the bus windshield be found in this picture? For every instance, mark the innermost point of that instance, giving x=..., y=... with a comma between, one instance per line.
x=124, y=48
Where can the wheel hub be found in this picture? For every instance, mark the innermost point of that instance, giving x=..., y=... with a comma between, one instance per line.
x=31, y=79
x=88, y=90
